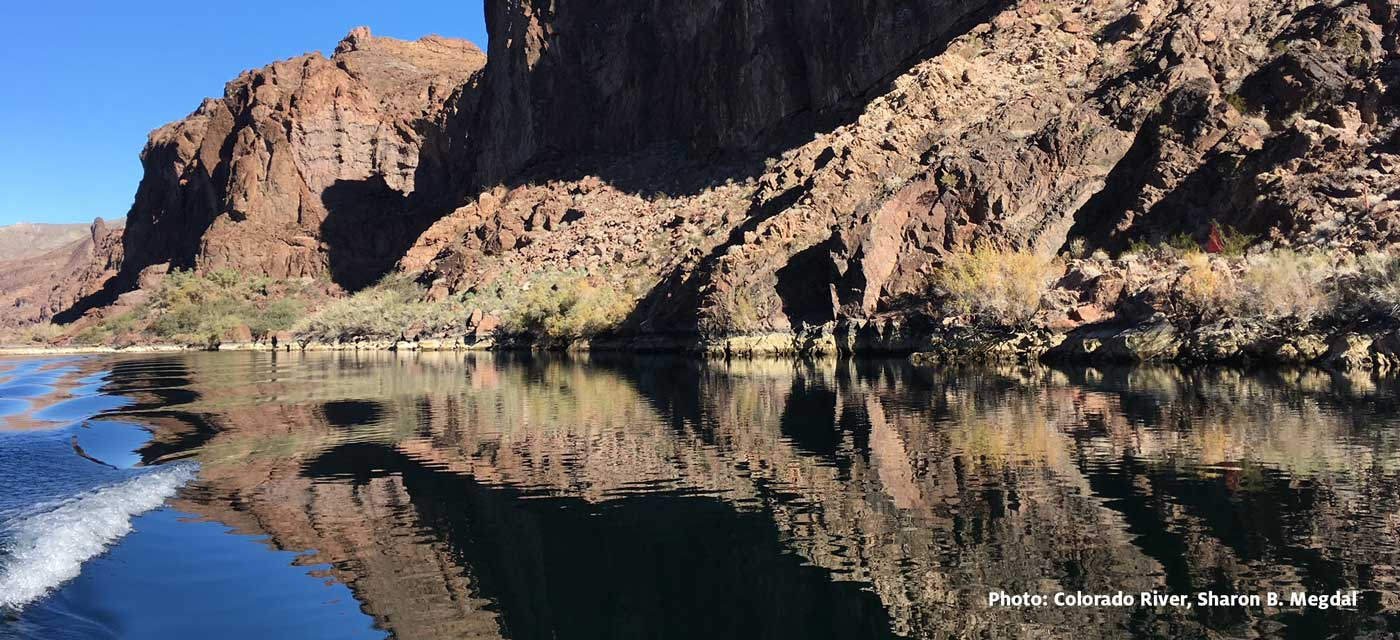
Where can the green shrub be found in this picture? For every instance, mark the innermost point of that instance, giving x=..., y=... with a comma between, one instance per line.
x=1141, y=247
x=1234, y=243
x=1239, y=103
x=1000, y=286
x=202, y=308
x=1183, y=244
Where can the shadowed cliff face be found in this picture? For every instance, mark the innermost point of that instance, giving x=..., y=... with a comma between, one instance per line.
x=463, y=495
x=571, y=79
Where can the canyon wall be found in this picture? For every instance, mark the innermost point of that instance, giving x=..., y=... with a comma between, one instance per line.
x=569, y=79
x=752, y=167
x=1109, y=121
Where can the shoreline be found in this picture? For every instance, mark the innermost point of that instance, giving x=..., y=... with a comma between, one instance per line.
x=1155, y=340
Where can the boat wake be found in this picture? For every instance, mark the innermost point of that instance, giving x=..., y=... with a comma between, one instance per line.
x=48, y=546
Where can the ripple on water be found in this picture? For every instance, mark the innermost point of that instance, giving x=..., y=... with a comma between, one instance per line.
x=80, y=408
x=12, y=406
x=24, y=390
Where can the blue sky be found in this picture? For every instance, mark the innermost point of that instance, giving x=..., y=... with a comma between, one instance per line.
x=86, y=81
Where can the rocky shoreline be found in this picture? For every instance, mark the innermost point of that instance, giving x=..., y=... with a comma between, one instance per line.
x=1156, y=340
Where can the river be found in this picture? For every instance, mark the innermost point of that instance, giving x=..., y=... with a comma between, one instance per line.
x=371, y=495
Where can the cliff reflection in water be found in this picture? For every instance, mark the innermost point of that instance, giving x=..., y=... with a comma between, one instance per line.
x=531, y=497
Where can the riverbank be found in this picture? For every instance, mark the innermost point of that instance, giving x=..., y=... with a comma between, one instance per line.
x=1169, y=303
x=1158, y=339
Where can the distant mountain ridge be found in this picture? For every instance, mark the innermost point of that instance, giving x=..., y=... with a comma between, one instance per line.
x=30, y=239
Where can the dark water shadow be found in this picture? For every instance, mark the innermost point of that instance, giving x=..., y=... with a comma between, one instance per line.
x=647, y=567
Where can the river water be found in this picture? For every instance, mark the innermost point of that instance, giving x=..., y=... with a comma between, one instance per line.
x=344, y=495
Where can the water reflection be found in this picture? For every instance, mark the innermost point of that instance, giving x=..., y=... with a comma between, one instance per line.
x=529, y=497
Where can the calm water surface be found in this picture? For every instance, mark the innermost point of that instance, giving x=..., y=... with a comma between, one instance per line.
x=478, y=496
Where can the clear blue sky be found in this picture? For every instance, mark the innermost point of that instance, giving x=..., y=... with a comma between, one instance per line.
x=84, y=82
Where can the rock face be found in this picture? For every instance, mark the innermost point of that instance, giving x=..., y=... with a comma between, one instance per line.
x=1139, y=121
x=571, y=79
x=758, y=168
x=289, y=172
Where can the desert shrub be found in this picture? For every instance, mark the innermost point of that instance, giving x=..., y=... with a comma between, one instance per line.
x=566, y=305
x=1233, y=242
x=1078, y=248
x=392, y=308
x=201, y=308
x=1240, y=104
x=1207, y=286
x=1182, y=244
x=279, y=315
x=39, y=333
x=1286, y=284
x=1177, y=246
x=1372, y=286
x=1000, y=286
x=1141, y=247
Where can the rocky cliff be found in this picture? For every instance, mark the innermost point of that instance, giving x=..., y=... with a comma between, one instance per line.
x=287, y=174
x=1108, y=121
x=757, y=167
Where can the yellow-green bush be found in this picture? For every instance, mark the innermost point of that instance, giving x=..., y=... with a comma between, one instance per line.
x=1207, y=287
x=1000, y=286
x=566, y=305
x=395, y=307
x=1287, y=284
x=202, y=308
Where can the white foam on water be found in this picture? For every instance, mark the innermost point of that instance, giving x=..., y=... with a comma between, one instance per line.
x=48, y=547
